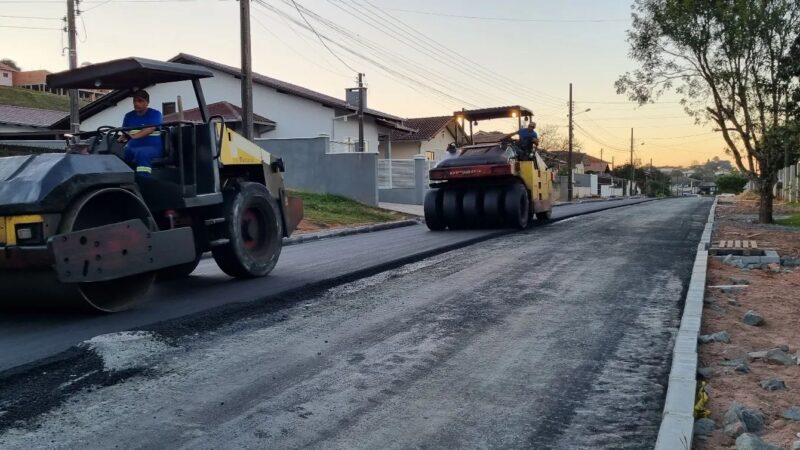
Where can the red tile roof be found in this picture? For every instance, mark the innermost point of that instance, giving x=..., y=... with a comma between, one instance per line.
x=427, y=128
x=6, y=67
x=590, y=163
x=229, y=111
x=32, y=117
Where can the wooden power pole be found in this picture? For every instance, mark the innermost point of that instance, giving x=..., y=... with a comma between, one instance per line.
x=569, y=153
x=74, y=117
x=247, y=70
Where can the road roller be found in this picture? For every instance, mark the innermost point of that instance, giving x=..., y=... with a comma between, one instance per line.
x=78, y=226
x=489, y=184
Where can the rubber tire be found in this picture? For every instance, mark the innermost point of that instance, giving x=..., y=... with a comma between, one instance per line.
x=517, y=205
x=544, y=215
x=234, y=258
x=492, y=207
x=433, y=210
x=472, y=207
x=451, y=208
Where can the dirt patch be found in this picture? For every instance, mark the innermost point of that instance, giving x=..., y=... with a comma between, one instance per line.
x=775, y=295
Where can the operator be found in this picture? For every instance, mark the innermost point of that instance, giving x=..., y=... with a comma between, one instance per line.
x=528, y=138
x=450, y=153
x=145, y=143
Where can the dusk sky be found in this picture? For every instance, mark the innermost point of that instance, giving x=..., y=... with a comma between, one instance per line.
x=421, y=58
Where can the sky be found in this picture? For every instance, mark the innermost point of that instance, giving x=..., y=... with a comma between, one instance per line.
x=420, y=57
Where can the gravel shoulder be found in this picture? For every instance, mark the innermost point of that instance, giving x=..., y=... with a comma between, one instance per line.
x=771, y=293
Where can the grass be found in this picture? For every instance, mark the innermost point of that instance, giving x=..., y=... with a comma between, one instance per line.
x=791, y=221
x=328, y=210
x=34, y=99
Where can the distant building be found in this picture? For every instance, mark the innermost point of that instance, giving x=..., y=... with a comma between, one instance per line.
x=7, y=75
x=707, y=188
x=430, y=138
x=36, y=80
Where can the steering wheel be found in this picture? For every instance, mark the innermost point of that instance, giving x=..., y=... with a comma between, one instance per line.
x=109, y=134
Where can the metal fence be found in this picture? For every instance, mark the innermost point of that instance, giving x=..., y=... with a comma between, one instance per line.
x=348, y=146
x=790, y=183
x=400, y=173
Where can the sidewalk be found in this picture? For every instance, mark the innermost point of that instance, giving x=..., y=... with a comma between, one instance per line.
x=415, y=210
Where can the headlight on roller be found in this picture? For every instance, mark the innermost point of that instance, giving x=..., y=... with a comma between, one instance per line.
x=29, y=233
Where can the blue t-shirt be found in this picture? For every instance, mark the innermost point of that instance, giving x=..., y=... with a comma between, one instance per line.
x=525, y=135
x=150, y=118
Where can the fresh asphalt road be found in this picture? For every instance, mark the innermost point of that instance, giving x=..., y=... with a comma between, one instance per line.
x=28, y=337
x=557, y=337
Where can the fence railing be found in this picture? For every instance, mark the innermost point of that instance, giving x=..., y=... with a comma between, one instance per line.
x=790, y=183
x=346, y=146
x=401, y=173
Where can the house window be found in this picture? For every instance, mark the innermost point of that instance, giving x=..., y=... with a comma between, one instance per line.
x=167, y=108
x=5, y=74
x=429, y=155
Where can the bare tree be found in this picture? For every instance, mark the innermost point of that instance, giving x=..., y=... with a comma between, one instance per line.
x=551, y=138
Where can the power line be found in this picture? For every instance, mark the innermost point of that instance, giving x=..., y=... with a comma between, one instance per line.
x=386, y=67
x=31, y=17
x=318, y=36
x=459, y=59
x=505, y=19
x=31, y=28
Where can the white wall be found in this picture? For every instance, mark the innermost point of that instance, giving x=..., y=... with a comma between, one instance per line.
x=6, y=78
x=296, y=117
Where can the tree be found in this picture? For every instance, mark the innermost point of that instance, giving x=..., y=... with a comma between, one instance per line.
x=10, y=63
x=731, y=183
x=724, y=57
x=550, y=138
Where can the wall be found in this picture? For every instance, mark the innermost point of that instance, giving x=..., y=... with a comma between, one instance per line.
x=6, y=78
x=296, y=117
x=402, y=150
x=310, y=168
x=438, y=144
x=30, y=77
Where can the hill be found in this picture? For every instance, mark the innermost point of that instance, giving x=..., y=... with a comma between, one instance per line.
x=34, y=99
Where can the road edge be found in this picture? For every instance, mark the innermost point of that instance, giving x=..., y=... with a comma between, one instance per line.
x=677, y=420
x=301, y=238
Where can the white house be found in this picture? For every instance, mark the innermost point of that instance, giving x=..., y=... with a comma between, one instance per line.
x=296, y=112
x=429, y=137
x=6, y=75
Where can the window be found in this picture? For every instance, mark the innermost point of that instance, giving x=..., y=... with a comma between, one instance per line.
x=5, y=74
x=429, y=155
x=167, y=108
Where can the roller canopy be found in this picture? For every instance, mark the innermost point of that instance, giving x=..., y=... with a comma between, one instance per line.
x=126, y=73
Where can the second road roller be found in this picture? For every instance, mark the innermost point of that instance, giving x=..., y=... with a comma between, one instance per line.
x=490, y=185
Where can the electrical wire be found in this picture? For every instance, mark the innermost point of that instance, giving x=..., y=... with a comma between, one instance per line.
x=320, y=38
x=29, y=28
x=506, y=19
x=30, y=17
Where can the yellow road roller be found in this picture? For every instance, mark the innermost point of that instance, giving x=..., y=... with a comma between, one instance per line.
x=79, y=226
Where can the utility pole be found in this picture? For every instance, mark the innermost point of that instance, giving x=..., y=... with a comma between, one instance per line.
x=569, y=157
x=247, y=70
x=360, y=112
x=74, y=118
x=633, y=171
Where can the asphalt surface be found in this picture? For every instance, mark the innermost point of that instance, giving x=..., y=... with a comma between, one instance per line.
x=28, y=336
x=557, y=337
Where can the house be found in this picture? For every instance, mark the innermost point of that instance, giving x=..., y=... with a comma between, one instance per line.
x=430, y=137
x=7, y=75
x=36, y=80
x=589, y=163
x=293, y=111
x=707, y=188
x=228, y=111
x=15, y=119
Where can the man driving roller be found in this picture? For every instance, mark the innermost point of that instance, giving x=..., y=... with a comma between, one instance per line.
x=145, y=139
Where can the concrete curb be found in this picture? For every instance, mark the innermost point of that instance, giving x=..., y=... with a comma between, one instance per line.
x=677, y=420
x=299, y=239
